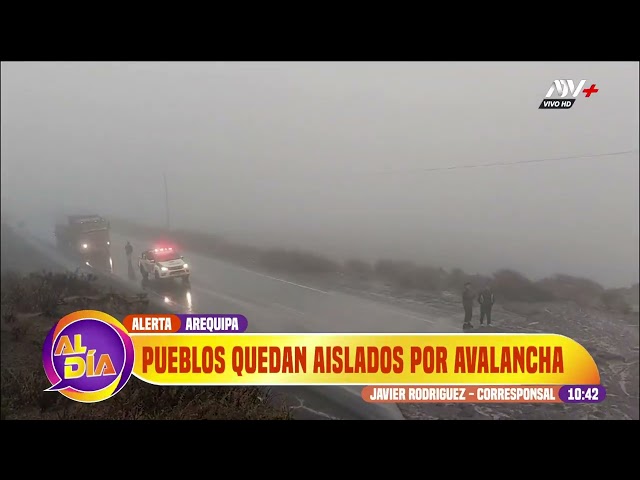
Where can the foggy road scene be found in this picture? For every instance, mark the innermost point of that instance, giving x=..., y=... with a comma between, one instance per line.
x=355, y=197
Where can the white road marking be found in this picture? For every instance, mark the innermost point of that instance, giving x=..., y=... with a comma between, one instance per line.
x=377, y=306
x=228, y=298
x=302, y=406
x=284, y=281
x=287, y=308
x=415, y=317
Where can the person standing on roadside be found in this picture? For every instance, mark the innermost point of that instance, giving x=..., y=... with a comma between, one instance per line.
x=467, y=303
x=486, y=299
x=128, y=250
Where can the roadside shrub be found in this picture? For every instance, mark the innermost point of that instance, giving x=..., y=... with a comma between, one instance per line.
x=43, y=292
x=393, y=269
x=583, y=291
x=296, y=261
x=456, y=279
x=613, y=300
x=514, y=286
x=358, y=268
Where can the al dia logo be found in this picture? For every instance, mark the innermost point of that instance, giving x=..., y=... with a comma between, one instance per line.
x=88, y=356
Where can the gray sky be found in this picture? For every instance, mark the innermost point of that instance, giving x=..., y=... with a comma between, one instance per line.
x=290, y=153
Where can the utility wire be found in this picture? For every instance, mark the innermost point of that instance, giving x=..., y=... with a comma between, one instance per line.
x=501, y=164
x=338, y=177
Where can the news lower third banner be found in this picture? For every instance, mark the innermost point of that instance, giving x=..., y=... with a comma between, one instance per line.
x=89, y=356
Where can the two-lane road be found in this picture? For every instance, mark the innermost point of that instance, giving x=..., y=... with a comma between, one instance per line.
x=277, y=305
x=274, y=304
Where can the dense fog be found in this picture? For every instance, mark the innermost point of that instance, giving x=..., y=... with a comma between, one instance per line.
x=346, y=159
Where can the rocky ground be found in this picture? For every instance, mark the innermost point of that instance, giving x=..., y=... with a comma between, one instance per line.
x=611, y=338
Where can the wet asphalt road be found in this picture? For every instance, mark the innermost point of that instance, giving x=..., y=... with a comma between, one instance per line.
x=274, y=304
x=277, y=305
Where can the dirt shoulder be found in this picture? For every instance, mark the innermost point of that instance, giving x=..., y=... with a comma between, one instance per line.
x=31, y=305
x=611, y=339
x=29, y=315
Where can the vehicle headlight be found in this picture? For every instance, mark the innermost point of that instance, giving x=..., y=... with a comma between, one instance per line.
x=108, y=243
x=84, y=245
x=186, y=265
x=164, y=269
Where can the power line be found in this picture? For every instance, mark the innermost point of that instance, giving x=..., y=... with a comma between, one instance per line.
x=339, y=177
x=501, y=164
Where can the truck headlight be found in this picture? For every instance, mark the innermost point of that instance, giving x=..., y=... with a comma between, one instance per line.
x=84, y=245
x=186, y=265
x=164, y=269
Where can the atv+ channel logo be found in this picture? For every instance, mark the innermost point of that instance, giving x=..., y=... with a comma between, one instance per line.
x=556, y=97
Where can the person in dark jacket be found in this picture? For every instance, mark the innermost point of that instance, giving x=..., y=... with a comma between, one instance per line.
x=486, y=299
x=467, y=303
x=128, y=250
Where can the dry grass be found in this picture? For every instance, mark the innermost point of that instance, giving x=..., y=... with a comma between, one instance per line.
x=23, y=398
x=44, y=292
x=30, y=307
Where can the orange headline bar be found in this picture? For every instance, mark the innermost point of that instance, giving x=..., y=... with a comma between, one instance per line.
x=462, y=394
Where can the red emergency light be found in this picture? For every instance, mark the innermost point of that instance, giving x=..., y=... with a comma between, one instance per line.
x=168, y=249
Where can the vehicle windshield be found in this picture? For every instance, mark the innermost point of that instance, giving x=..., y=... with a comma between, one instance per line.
x=87, y=219
x=89, y=224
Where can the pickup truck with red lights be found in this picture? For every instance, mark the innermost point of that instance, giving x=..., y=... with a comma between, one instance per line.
x=163, y=263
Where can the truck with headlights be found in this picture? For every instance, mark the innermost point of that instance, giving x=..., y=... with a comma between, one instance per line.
x=86, y=237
